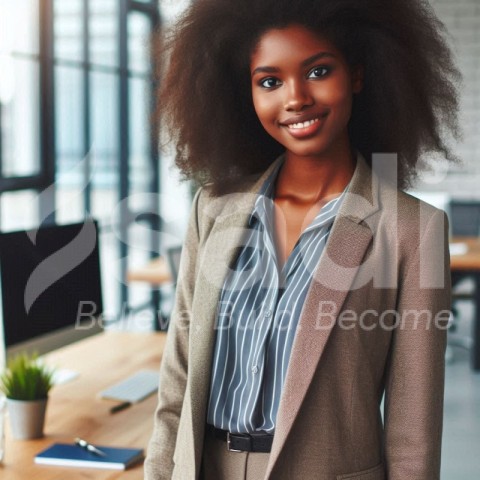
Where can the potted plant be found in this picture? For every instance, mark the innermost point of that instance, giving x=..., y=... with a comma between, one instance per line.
x=26, y=383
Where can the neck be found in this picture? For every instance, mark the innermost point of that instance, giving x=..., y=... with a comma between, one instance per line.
x=312, y=179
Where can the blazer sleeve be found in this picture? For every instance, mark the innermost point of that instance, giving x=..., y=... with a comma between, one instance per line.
x=414, y=388
x=173, y=370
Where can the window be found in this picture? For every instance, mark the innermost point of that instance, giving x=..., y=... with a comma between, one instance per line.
x=75, y=121
x=20, y=162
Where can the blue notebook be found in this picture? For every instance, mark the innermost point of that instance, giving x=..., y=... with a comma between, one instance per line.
x=73, y=456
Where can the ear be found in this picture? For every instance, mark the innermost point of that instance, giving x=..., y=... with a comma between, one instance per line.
x=357, y=78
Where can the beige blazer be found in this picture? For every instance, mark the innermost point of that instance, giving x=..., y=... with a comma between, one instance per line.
x=374, y=321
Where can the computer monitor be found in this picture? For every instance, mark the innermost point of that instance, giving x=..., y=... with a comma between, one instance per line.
x=51, y=290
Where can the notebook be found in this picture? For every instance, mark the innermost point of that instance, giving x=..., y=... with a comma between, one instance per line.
x=73, y=456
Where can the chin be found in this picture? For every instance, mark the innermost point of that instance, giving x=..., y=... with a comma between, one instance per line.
x=308, y=151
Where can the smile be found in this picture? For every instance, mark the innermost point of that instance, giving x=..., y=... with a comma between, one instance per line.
x=306, y=128
x=296, y=126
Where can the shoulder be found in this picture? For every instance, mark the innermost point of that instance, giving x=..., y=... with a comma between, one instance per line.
x=238, y=187
x=211, y=209
x=411, y=213
x=374, y=197
x=417, y=229
x=208, y=203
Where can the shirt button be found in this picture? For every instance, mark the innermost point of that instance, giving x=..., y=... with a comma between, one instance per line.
x=254, y=369
x=268, y=314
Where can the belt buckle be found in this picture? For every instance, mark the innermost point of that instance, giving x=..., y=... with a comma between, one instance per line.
x=229, y=444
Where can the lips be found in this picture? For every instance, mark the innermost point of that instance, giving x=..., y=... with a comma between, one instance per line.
x=305, y=125
x=299, y=125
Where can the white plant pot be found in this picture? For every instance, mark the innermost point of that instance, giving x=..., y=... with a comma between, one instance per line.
x=27, y=418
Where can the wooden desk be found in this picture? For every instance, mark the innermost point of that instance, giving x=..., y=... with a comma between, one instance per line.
x=470, y=260
x=468, y=265
x=74, y=408
x=156, y=272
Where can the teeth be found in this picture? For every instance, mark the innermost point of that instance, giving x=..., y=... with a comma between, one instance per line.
x=303, y=124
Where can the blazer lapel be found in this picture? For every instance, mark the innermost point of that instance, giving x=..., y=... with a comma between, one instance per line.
x=229, y=217
x=348, y=241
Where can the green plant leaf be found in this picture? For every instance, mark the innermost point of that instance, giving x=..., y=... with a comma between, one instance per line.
x=26, y=378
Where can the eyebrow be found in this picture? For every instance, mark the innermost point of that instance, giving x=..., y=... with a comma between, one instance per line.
x=305, y=63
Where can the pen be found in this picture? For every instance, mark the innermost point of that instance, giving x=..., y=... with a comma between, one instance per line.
x=119, y=407
x=89, y=447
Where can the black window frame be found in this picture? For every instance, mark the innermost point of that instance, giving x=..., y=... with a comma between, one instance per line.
x=47, y=138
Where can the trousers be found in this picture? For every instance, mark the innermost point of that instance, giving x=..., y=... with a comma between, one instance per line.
x=220, y=464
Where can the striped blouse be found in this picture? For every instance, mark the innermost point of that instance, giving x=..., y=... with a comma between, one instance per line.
x=257, y=316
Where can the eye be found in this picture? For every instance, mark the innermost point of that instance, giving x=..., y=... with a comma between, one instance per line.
x=270, y=82
x=318, y=72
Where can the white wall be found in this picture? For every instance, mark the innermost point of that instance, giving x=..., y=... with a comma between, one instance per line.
x=171, y=8
x=462, y=19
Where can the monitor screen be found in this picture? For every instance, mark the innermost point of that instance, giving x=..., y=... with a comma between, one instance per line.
x=51, y=285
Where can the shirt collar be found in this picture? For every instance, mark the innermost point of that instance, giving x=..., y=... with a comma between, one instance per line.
x=327, y=213
x=263, y=208
x=264, y=202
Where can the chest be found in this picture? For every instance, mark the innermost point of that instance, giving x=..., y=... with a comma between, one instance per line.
x=290, y=220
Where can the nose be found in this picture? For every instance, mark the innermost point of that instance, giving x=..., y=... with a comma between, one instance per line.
x=297, y=96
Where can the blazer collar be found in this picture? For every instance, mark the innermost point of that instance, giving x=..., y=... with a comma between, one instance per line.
x=228, y=217
x=362, y=193
x=333, y=278
x=225, y=218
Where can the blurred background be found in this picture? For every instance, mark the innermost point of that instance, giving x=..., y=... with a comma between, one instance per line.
x=78, y=138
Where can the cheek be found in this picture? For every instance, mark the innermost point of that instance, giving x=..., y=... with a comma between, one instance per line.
x=335, y=94
x=264, y=108
x=339, y=99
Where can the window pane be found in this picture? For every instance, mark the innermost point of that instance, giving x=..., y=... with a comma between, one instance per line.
x=104, y=124
x=104, y=146
x=69, y=199
x=68, y=29
x=110, y=268
x=20, y=120
x=70, y=183
x=103, y=203
x=139, y=31
x=19, y=26
x=140, y=162
x=69, y=112
x=69, y=117
x=19, y=210
x=104, y=32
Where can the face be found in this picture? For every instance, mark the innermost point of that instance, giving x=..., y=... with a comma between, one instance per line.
x=302, y=90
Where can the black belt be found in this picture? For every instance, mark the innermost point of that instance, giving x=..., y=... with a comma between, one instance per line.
x=243, y=442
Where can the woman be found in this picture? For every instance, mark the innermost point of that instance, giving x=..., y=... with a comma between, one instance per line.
x=310, y=286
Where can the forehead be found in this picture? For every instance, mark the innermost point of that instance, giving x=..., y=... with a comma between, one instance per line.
x=294, y=42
